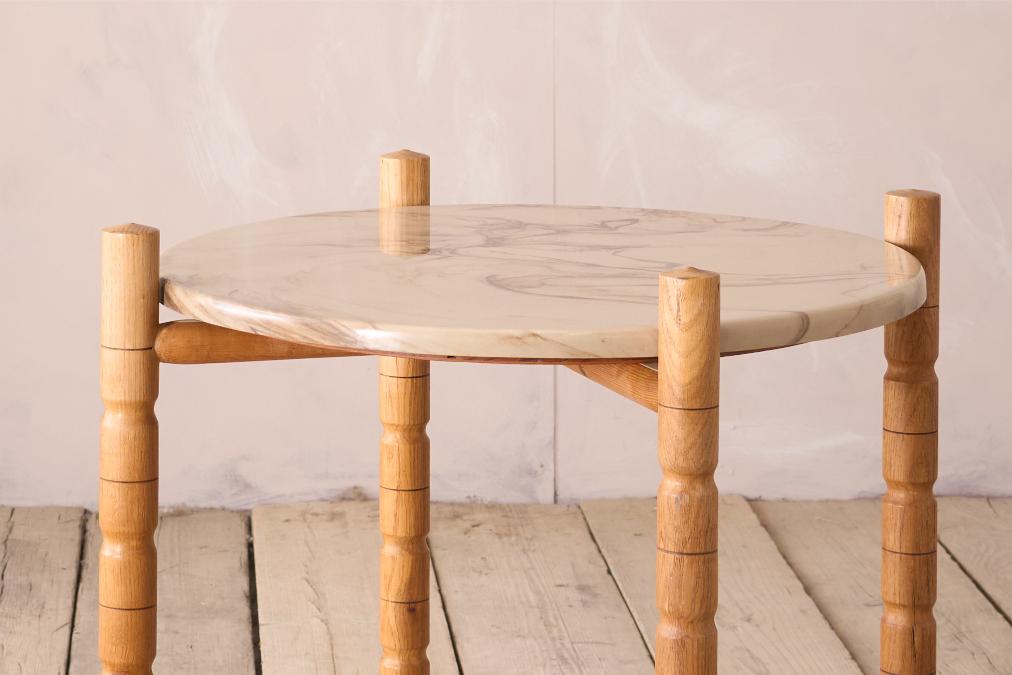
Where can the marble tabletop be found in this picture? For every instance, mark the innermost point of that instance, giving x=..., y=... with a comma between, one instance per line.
x=531, y=282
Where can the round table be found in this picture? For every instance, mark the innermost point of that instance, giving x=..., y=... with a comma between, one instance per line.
x=532, y=283
x=603, y=290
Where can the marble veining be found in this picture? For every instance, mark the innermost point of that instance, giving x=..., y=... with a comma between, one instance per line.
x=532, y=282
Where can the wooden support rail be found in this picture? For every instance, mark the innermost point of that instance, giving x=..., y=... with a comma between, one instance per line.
x=635, y=381
x=198, y=342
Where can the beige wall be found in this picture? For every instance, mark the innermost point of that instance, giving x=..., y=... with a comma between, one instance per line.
x=192, y=117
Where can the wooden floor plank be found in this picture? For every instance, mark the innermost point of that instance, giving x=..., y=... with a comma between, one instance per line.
x=766, y=621
x=40, y=550
x=834, y=547
x=204, y=623
x=317, y=571
x=528, y=592
x=977, y=531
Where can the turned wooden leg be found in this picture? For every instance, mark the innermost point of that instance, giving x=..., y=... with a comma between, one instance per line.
x=688, y=397
x=404, y=448
x=910, y=450
x=404, y=515
x=128, y=456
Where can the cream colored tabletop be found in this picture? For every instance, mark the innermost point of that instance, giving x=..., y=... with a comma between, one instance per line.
x=531, y=282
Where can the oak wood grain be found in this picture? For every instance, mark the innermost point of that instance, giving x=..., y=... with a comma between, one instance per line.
x=910, y=449
x=688, y=395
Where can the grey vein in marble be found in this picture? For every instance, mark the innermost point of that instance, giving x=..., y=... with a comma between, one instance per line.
x=532, y=282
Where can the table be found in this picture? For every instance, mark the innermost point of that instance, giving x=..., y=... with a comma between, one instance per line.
x=621, y=295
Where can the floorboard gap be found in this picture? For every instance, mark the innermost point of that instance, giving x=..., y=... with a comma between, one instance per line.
x=254, y=612
x=625, y=600
x=801, y=579
x=3, y=546
x=77, y=585
x=446, y=612
x=977, y=585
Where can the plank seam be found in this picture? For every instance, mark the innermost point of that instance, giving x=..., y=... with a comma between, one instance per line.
x=801, y=581
x=977, y=585
x=254, y=605
x=446, y=612
x=618, y=586
x=77, y=586
x=4, y=558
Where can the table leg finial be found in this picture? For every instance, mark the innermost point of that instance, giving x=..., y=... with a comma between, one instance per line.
x=687, y=413
x=404, y=179
x=128, y=454
x=910, y=449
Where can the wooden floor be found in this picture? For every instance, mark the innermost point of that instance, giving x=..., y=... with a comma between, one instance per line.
x=291, y=589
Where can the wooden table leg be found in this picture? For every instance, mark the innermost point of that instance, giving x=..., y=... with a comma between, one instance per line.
x=404, y=515
x=910, y=450
x=404, y=448
x=128, y=456
x=687, y=411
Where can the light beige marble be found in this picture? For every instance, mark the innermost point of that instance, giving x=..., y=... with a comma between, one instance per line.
x=532, y=282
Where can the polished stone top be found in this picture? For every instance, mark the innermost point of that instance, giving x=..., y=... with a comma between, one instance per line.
x=531, y=282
